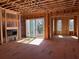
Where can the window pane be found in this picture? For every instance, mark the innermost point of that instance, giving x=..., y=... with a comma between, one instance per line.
x=71, y=25
x=35, y=27
x=32, y=28
x=28, y=28
x=59, y=25
x=40, y=27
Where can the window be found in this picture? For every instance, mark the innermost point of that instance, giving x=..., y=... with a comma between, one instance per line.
x=59, y=25
x=71, y=25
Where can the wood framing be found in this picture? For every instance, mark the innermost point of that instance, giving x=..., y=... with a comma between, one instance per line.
x=75, y=25
x=47, y=26
x=65, y=25
x=11, y=17
x=78, y=26
x=65, y=9
x=1, y=29
x=9, y=20
x=51, y=27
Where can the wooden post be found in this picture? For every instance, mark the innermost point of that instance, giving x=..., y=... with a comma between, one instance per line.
x=1, y=27
x=78, y=26
x=5, y=28
x=47, y=26
x=55, y=25
x=17, y=27
x=51, y=28
x=75, y=26
x=76, y=18
x=19, y=20
x=23, y=28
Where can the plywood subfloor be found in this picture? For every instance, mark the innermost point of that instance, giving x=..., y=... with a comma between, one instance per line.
x=47, y=49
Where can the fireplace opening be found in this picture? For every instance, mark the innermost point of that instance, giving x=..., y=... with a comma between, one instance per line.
x=11, y=32
x=12, y=35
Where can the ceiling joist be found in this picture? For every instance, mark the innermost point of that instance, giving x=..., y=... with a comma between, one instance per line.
x=36, y=5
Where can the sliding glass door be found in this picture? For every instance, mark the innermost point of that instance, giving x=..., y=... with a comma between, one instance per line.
x=27, y=28
x=40, y=27
x=35, y=27
x=32, y=28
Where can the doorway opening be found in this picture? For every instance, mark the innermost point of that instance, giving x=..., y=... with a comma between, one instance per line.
x=35, y=28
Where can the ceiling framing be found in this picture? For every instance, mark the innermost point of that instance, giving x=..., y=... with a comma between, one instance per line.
x=35, y=6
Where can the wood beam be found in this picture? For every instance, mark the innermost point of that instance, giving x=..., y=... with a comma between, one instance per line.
x=78, y=26
x=51, y=27
x=75, y=26
x=1, y=27
x=47, y=26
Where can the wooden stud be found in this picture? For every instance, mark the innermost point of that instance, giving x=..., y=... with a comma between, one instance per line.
x=78, y=26
x=55, y=25
x=75, y=26
x=1, y=29
x=47, y=28
x=51, y=28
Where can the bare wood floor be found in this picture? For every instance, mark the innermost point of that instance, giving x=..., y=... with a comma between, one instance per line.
x=47, y=49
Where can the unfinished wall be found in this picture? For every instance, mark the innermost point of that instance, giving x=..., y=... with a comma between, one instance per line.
x=65, y=25
x=49, y=26
x=55, y=25
x=23, y=27
x=8, y=22
x=75, y=25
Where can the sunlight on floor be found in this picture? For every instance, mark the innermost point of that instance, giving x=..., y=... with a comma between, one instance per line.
x=74, y=37
x=33, y=41
x=20, y=41
x=70, y=37
x=25, y=40
x=60, y=36
x=36, y=41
